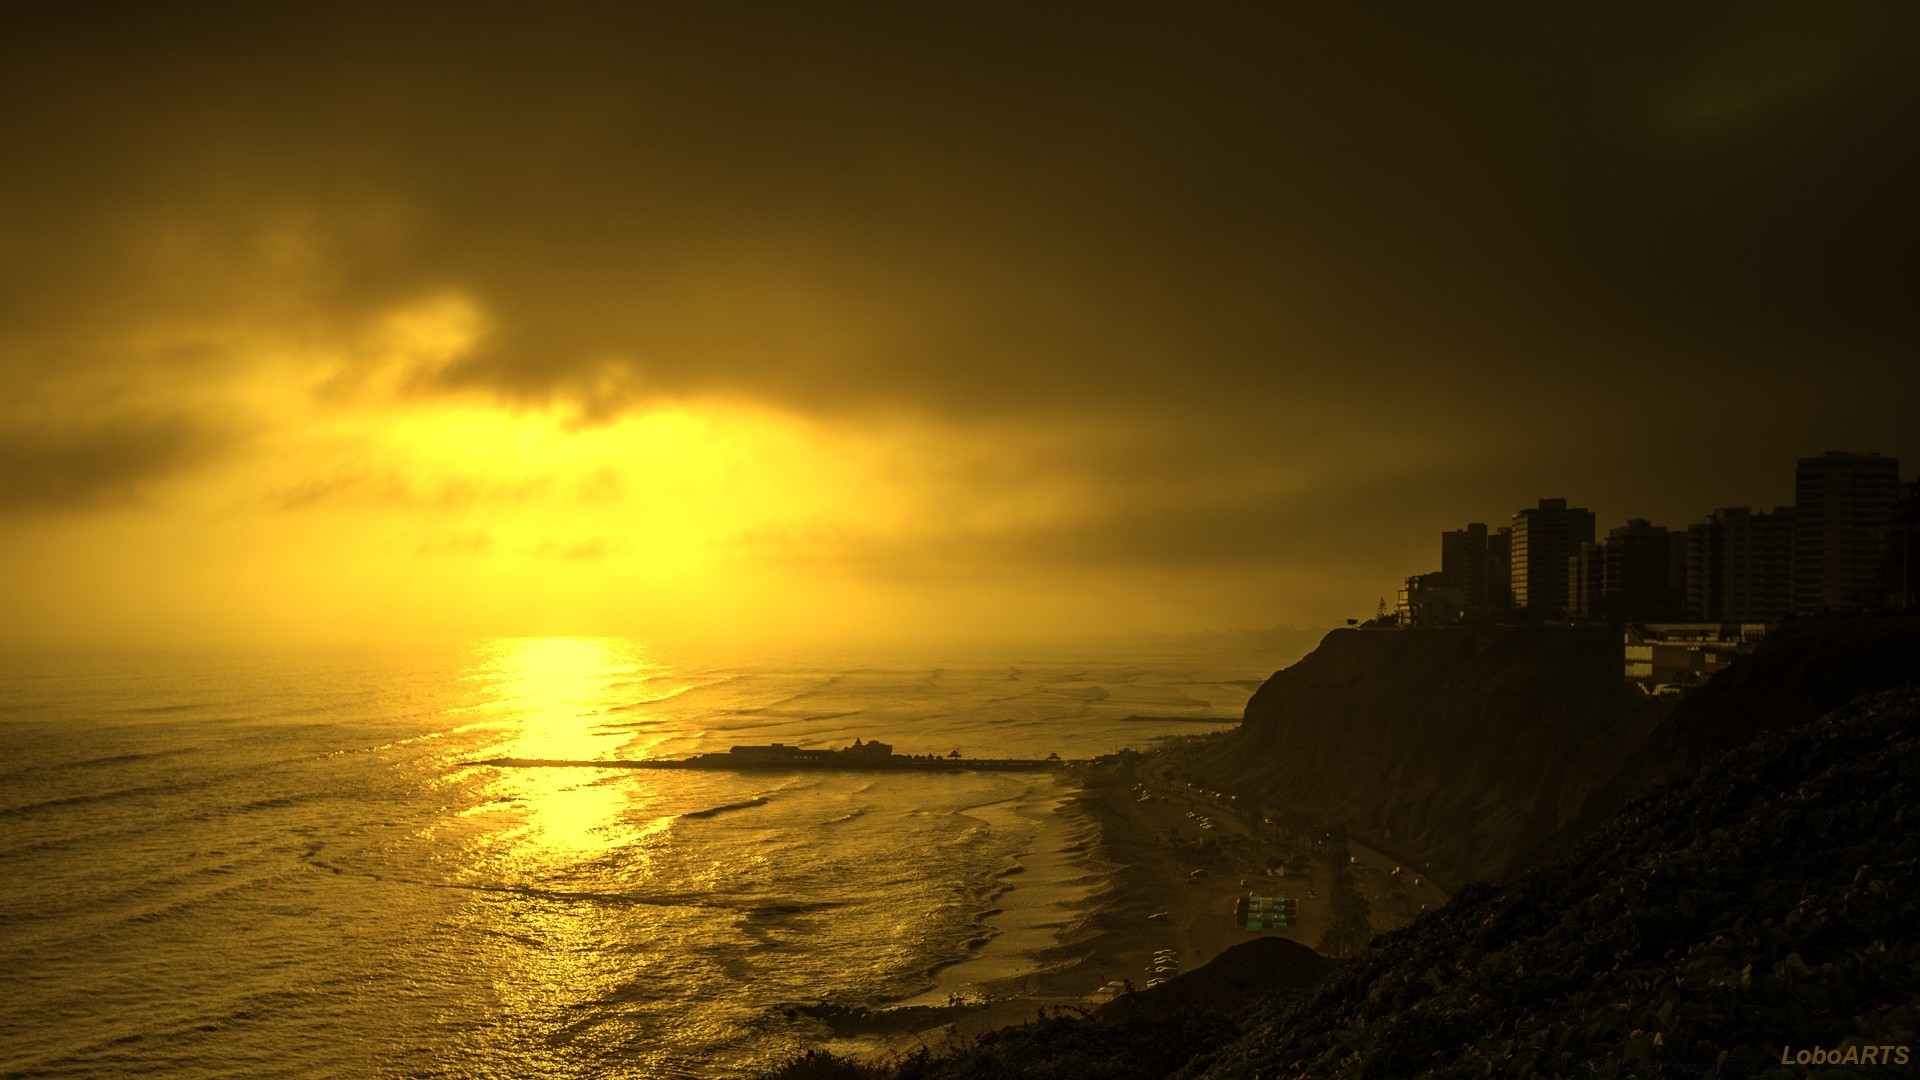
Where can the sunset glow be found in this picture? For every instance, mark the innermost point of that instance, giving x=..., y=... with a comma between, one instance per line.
x=360, y=345
x=847, y=541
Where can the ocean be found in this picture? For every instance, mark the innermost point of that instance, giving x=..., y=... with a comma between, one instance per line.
x=279, y=864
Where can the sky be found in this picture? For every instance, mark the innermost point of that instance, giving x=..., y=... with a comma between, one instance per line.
x=786, y=322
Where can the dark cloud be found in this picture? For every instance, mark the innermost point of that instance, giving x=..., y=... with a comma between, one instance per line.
x=1600, y=241
x=111, y=463
x=1142, y=521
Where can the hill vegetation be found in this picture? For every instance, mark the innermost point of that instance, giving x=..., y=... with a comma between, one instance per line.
x=1716, y=884
x=1763, y=906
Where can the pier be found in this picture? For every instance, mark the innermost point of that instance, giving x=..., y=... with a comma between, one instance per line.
x=780, y=757
x=721, y=762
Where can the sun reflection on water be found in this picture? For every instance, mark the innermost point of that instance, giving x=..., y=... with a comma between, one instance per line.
x=549, y=698
x=552, y=843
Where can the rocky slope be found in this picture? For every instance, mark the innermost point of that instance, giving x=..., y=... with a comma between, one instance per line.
x=1142, y=1036
x=1801, y=671
x=1761, y=907
x=1480, y=752
x=1461, y=747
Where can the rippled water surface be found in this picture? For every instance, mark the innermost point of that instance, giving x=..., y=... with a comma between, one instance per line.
x=281, y=866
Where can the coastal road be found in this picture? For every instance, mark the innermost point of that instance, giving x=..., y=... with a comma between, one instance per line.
x=1393, y=900
x=1243, y=856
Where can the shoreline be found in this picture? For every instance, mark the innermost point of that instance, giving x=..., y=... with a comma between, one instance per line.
x=1144, y=853
x=1043, y=899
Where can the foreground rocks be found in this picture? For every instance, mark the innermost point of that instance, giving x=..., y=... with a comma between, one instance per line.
x=1763, y=905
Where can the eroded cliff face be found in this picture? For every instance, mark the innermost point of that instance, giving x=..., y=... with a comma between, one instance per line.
x=1483, y=751
x=1461, y=747
x=1780, y=880
x=1801, y=671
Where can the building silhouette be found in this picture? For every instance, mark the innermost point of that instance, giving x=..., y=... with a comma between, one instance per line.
x=1586, y=581
x=1544, y=538
x=1476, y=561
x=1847, y=543
x=1463, y=558
x=1645, y=575
x=1637, y=574
x=1500, y=569
x=1903, y=550
x=1844, y=506
x=1431, y=600
x=1740, y=566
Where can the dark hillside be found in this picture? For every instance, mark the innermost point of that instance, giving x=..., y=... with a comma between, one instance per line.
x=1801, y=671
x=1764, y=905
x=1769, y=902
x=1463, y=747
x=1142, y=1036
x=1229, y=982
x=1483, y=751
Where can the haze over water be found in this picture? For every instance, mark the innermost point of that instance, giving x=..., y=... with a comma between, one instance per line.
x=279, y=864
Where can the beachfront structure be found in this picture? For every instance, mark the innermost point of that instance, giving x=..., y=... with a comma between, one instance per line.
x=1643, y=573
x=1669, y=658
x=1740, y=565
x=782, y=754
x=1586, y=581
x=1844, y=507
x=777, y=753
x=1476, y=561
x=1544, y=538
x=872, y=750
x=1431, y=600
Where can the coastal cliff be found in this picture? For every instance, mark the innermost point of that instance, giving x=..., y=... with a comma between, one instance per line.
x=1484, y=751
x=1803, y=670
x=1462, y=748
x=1731, y=883
x=1748, y=914
x=1755, y=911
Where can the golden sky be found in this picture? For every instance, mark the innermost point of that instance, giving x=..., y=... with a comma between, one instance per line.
x=778, y=323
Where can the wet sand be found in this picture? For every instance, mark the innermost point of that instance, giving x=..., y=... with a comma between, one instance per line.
x=1107, y=884
x=1043, y=899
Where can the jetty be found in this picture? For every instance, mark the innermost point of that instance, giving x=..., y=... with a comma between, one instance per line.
x=860, y=757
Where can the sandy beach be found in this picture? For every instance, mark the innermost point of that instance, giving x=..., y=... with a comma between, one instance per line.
x=1110, y=881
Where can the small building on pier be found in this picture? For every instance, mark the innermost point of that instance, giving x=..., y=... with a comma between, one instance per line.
x=868, y=751
x=776, y=754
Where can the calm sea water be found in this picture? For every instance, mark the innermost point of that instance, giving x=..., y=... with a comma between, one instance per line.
x=281, y=866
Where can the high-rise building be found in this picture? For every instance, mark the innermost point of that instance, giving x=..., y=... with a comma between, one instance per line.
x=1740, y=566
x=1463, y=558
x=1475, y=561
x=1586, y=581
x=1844, y=507
x=1644, y=576
x=1544, y=538
x=1499, y=582
x=1903, y=550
